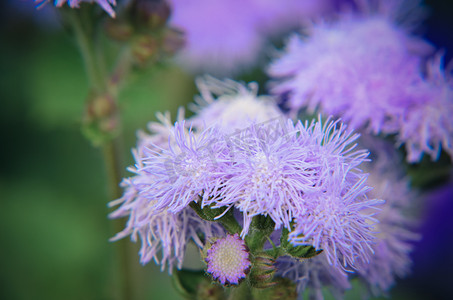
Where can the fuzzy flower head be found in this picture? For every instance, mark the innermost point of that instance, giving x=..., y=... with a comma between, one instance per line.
x=224, y=37
x=220, y=35
x=164, y=235
x=231, y=105
x=160, y=136
x=271, y=169
x=336, y=219
x=185, y=171
x=105, y=4
x=427, y=126
x=378, y=63
x=307, y=179
x=228, y=260
x=395, y=238
x=338, y=223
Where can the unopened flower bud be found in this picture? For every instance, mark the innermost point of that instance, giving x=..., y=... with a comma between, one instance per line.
x=118, y=30
x=101, y=118
x=143, y=48
x=174, y=40
x=228, y=260
x=151, y=14
x=263, y=271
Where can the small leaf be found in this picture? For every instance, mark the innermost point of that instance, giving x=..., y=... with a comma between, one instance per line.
x=186, y=282
x=307, y=251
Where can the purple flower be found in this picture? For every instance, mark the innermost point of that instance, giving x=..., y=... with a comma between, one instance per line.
x=394, y=236
x=227, y=36
x=184, y=171
x=272, y=166
x=336, y=219
x=360, y=68
x=303, y=173
x=105, y=4
x=338, y=223
x=220, y=35
x=163, y=235
x=228, y=260
x=231, y=105
x=427, y=125
x=160, y=132
x=314, y=275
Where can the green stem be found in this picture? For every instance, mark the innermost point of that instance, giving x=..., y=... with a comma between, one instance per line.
x=112, y=159
x=84, y=35
x=241, y=292
x=83, y=28
x=260, y=230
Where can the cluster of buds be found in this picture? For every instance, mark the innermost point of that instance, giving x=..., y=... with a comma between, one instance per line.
x=101, y=118
x=143, y=25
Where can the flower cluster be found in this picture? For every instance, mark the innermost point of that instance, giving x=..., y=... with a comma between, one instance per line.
x=305, y=177
x=394, y=237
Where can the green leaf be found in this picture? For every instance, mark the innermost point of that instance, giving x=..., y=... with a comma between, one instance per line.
x=307, y=251
x=186, y=282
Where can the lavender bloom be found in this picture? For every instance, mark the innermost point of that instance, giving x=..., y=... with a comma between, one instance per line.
x=313, y=275
x=228, y=260
x=428, y=124
x=361, y=68
x=394, y=237
x=231, y=105
x=160, y=132
x=220, y=35
x=185, y=170
x=334, y=218
x=271, y=168
x=163, y=235
x=307, y=174
x=227, y=36
x=105, y=4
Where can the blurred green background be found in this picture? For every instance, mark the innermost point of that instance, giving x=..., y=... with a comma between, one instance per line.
x=54, y=228
x=53, y=219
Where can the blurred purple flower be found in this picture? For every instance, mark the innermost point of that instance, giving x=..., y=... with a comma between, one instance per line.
x=220, y=35
x=105, y=4
x=314, y=275
x=427, y=126
x=359, y=68
x=163, y=235
x=160, y=137
x=394, y=236
x=231, y=105
x=227, y=36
